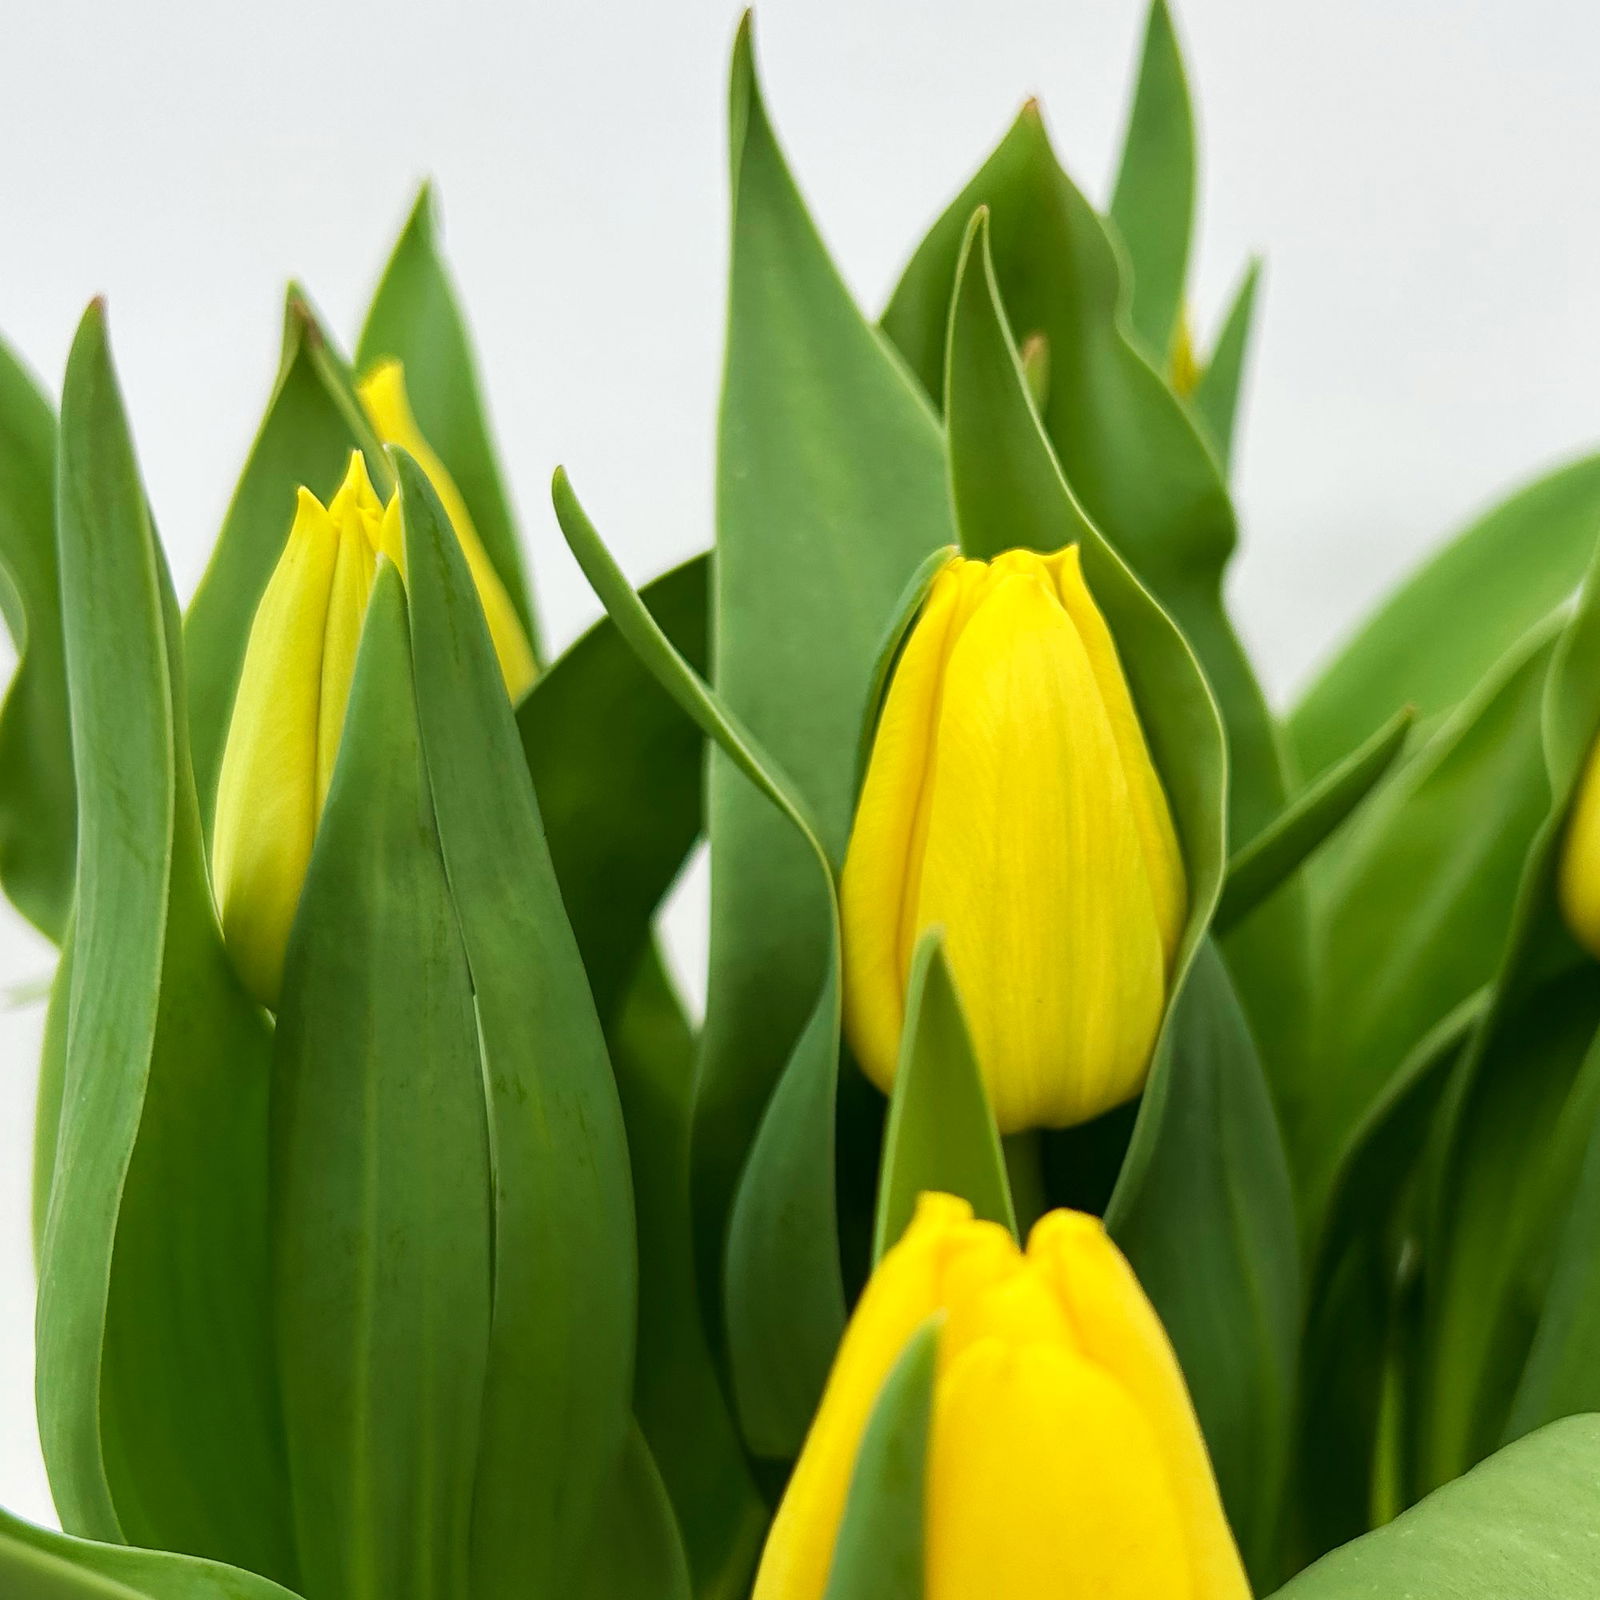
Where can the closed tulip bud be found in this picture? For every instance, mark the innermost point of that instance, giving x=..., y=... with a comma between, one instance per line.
x=1063, y=1455
x=383, y=393
x=288, y=714
x=1011, y=800
x=1578, y=878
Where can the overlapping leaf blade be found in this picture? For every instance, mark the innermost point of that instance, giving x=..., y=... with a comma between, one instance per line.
x=381, y=1170
x=154, y=1378
x=830, y=492
x=38, y=794
x=560, y=1365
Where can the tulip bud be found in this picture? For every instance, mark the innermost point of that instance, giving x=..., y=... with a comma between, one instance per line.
x=1578, y=878
x=1183, y=365
x=288, y=714
x=383, y=393
x=1011, y=800
x=1063, y=1454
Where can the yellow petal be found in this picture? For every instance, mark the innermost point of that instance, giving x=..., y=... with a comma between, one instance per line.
x=878, y=889
x=1116, y=1328
x=1045, y=1483
x=353, y=573
x=1033, y=866
x=1578, y=879
x=1152, y=815
x=383, y=393
x=267, y=799
x=906, y=1289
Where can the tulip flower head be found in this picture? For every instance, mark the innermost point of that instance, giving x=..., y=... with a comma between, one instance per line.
x=383, y=393
x=1578, y=876
x=288, y=714
x=1011, y=800
x=1063, y=1456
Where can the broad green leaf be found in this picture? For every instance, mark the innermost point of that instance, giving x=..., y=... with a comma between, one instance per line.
x=557, y=1399
x=36, y=1564
x=416, y=318
x=1263, y=865
x=941, y=1133
x=1216, y=396
x=1207, y=1219
x=381, y=1170
x=1530, y=1080
x=38, y=795
x=156, y=1393
x=1413, y=903
x=52, y=1077
x=635, y=1549
x=1152, y=207
x=879, y=1552
x=785, y=1289
x=617, y=768
x=1519, y=1527
x=1440, y=633
x=830, y=492
x=678, y=1394
x=305, y=439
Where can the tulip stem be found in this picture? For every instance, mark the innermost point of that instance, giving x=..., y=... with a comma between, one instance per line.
x=1024, y=1153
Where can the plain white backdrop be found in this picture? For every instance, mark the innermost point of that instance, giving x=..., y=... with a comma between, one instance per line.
x=1420, y=175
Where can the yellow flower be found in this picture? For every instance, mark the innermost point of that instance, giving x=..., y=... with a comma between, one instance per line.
x=288, y=714
x=1064, y=1458
x=383, y=393
x=1011, y=800
x=1578, y=878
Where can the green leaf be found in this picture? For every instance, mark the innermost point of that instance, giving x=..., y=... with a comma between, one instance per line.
x=785, y=1289
x=879, y=1552
x=1427, y=874
x=416, y=319
x=1441, y=632
x=1262, y=866
x=941, y=1132
x=1562, y=1373
x=635, y=1550
x=381, y=1173
x=557, y=1400
x=1529, y=1081
x=1520, y=1527
x=617, y=768
x=36, y=1564
x=1216, y=396
x=38, y=795
x=1152, y=206
x=1207, y=1219
x=830, y=493
x=305, y=439
x=678, y=1393
x=156, y=1392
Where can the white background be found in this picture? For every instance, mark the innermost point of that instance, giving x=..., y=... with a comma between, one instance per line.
x=1420, y=174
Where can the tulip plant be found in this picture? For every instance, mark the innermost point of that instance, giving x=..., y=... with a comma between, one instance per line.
x=1141, y=1143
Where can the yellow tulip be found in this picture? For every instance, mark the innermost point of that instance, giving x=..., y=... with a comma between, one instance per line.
x=288, y=714
x=1011, y=800
x=1064, y=1458
x=383, y=393
x=1578, y=877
